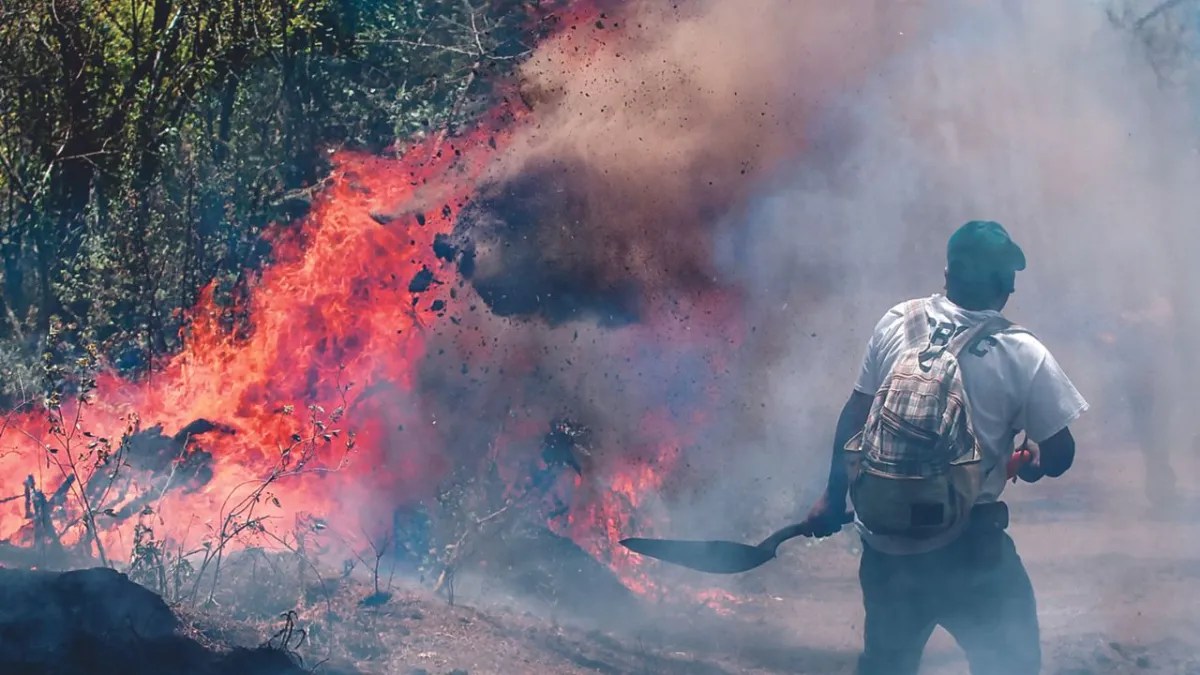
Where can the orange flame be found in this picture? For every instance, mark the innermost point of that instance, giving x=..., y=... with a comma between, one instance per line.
x=332, y=319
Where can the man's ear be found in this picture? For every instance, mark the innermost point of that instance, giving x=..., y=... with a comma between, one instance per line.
x=1005, y=284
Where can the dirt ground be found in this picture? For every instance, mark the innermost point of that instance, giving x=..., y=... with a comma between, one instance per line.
x=1116, y=584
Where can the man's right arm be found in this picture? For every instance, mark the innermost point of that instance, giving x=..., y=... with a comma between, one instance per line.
x=851, y=421
x=829, y=513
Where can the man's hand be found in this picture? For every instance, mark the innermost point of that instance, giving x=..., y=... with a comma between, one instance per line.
x=1051, y=458
x=1031, y=471
x=827, y=517
x=1023, y=463
x=829, y=513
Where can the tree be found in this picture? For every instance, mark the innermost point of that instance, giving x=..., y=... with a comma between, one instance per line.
x=141, y=136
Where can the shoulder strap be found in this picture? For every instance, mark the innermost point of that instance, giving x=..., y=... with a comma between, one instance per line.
x=970, y=337
x=916, y=323
x=1017, y=329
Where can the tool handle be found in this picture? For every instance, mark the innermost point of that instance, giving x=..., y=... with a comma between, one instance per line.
x=1019, y=458
x=797, y=530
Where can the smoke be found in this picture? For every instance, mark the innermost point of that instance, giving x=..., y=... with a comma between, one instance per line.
x=653, y=126
x=1049, y=118
x=650, y=125
x=813, y=159
x=1044, y=116
x=718, y=202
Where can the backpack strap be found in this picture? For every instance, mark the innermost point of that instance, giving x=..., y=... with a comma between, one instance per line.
x=1016, y=329
x=916, y=322
x=969, y=338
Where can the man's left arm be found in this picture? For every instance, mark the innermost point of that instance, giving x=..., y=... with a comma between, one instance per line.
x=1053, y=457
x=1051, y=405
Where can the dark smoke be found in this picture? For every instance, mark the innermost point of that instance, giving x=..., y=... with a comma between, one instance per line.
x=592, y=289
x=530, y=249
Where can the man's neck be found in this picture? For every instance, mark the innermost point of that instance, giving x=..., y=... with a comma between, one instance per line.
x=994, y=306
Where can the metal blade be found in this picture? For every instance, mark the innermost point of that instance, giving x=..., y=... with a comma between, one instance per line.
x=716, y=557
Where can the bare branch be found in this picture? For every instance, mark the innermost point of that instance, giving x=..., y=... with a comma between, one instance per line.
x=420, y=43
x=1159, y=9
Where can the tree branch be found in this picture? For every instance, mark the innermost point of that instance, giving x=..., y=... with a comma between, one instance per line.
x=1162, y=7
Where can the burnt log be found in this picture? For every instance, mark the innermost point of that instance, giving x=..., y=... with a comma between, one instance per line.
x=152, y=458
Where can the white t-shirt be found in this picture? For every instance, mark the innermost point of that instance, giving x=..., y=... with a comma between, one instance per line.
x=1015, y=386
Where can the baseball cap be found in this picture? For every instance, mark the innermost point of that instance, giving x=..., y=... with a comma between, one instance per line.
x=981, y=251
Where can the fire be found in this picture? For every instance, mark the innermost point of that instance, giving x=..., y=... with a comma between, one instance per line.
x=313, y=417
x=614, y=509
x=332, y=318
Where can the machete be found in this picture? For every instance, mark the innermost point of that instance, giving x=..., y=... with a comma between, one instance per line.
x=719, y=557
x=730, y=557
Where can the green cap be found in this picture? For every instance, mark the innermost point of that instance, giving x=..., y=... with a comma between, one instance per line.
x=981, y=251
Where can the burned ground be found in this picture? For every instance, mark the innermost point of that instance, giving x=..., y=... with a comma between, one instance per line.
x=1115, y=582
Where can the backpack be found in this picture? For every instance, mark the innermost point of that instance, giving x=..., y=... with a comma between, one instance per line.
x=915, y=467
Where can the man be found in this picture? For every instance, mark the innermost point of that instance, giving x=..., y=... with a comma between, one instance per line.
x=969, y=580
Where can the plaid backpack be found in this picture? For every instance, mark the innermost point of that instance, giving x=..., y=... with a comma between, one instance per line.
x=915, y=468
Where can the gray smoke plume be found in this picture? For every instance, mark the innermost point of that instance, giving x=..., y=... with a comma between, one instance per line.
x=1044, y=116
x=809, y=159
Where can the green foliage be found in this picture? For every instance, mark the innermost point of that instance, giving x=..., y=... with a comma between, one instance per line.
x=145, y=144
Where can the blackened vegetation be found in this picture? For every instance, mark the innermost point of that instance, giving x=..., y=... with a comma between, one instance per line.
x=98, y=621
x=564, y=447
x=527, y=247
x=566, y=444
x=170, y=462
x=504, y=529
x=153, y=451
x=38, y=510
x=125, y=483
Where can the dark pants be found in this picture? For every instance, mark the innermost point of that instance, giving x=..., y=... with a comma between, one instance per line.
x=976, y=588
